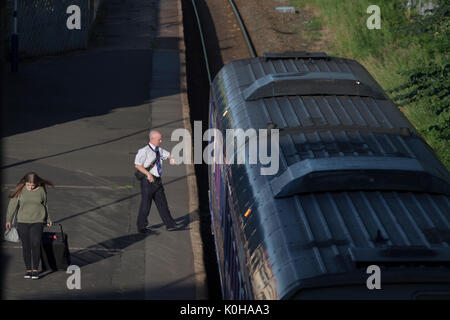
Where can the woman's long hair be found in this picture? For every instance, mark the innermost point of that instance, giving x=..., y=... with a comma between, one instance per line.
x=30, y=177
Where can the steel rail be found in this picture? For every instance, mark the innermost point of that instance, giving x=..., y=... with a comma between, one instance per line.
x=242, y=27
x=202, y=40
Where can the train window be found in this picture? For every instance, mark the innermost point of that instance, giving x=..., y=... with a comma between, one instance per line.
x=226, y=244
x=220, y=198
x=237, y=273
x=231, y=204
x=212, y=115
x=232, y=278
x=227, y=207
x=217, y=183
x=237, y=288
x=242, y=295
x=231, y=262
x=238, y=283
x=229, y=247
x=240, y=292
x=231, y=259
x=233, y=274
x=244, y=290
x=236, y=280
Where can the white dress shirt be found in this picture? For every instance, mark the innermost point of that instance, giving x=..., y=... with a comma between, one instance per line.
x=145, y=157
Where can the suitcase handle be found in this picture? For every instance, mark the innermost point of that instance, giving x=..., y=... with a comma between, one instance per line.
x=60, y=226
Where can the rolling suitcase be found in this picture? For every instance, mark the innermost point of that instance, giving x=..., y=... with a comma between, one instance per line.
x=55, y=253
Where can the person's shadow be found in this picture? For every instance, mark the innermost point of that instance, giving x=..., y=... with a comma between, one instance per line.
x=102, y=250
x=115, y=246
x=182, y=221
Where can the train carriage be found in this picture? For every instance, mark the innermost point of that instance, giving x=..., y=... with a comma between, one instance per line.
x=356, y=186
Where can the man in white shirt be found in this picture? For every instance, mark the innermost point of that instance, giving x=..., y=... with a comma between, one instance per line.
x=151, y=186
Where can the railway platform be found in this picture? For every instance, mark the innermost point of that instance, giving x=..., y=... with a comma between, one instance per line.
x=78, y=121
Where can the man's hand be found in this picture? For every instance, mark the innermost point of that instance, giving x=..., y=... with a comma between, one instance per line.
x=8, y=225
x=171, y=160
x=49, y=224
x=144, y=171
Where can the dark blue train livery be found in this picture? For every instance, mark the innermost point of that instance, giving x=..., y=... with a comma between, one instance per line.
x=356, y=186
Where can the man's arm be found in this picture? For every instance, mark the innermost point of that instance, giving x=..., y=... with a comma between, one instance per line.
x=142, y=170
x=167, y=155
x=138, y=164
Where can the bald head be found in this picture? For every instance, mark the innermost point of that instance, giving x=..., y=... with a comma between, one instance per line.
x=155, y=137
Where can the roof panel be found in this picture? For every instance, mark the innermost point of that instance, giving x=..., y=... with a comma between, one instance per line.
x=291, y=66
x=329, y=222
x=301, y=65
x=352, y=110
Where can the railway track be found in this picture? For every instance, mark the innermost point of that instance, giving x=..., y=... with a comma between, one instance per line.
x=207, y=50
x=248, y=259
x=243, y=29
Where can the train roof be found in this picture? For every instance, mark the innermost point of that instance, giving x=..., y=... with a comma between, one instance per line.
x=332, y=118
x=355, y=178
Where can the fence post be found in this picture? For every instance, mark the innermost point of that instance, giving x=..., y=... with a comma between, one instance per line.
x=15, y=42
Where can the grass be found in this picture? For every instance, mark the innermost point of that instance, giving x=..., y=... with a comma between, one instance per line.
x=314, y=24
x=388, y=54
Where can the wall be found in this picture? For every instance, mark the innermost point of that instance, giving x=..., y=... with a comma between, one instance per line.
x=42, y=25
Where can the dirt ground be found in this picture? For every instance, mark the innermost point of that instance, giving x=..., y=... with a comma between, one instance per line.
x=223, y=36
x=275, y=31
x=270, y=30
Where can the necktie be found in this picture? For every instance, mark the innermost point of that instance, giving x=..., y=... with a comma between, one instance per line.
x=158, y=161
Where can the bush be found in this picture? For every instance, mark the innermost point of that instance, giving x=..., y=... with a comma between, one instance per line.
x=408, y=56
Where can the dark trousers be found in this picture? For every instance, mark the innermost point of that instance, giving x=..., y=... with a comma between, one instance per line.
x=31, y=236
x=153, y=191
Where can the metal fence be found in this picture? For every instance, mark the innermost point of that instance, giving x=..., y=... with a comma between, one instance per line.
x=42, y=25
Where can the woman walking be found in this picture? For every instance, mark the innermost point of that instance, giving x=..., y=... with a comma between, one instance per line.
x=30, y=196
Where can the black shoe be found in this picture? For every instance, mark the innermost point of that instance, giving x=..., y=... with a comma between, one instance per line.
x=27, y=275
x=35, y=275
x=173, y=226
x=146, y=230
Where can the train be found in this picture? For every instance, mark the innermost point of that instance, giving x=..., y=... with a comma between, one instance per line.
x=360, y=205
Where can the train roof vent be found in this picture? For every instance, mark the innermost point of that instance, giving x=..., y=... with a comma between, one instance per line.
x=309, y=83
x=296, y=55
x=399, y=255
x=358, y=173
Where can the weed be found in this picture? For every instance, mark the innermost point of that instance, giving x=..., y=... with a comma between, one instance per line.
x=408, y=56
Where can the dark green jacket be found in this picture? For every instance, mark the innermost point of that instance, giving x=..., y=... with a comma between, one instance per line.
x=32, y=206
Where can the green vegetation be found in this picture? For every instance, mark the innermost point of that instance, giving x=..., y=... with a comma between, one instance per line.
x=408, y=56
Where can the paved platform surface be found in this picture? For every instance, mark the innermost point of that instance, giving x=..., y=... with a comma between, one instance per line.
x=78, y=121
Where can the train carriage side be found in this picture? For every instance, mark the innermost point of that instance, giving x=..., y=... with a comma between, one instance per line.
x=356, y=186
